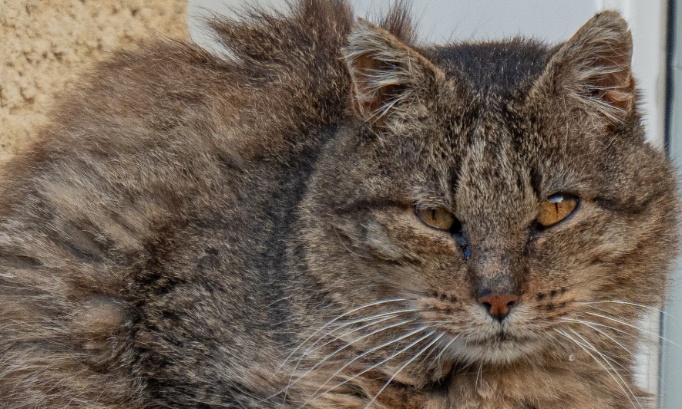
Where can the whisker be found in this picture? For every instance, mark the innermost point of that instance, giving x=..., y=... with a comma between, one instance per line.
x=309, y=350
x=338, y=317
x=383, y=361
x=581, y=346
x=479, y=374
x=600, y=324
x=317, y=365
x=445, y=348
x=426, y=357
x=606, y=360
x=634, y=304
x=634, y=327
x=421, y=351
x=588, y=324
x=373, y=318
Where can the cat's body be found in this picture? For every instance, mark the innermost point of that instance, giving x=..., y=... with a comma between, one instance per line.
x=200, y=233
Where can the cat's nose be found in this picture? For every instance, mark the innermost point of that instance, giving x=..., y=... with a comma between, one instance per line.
x=499, y=305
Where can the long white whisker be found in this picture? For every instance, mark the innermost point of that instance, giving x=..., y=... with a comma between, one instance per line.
x=625, y=303
x=479, y=374
x=634, y=327
x=421, y=351
x=338, y=317
x=581, y=346
x=426, y=357
x=387, y=316
x=363, y=354
x=378, y=317
x=383, y=361
x=442, y=351
x=600, y=324
x=589, y=325
x=606, y=361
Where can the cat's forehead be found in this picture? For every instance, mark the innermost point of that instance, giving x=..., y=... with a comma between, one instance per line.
x=489, y=146
x=492, y=136
x=497, y=160
x=493, y=165
x=493, y=67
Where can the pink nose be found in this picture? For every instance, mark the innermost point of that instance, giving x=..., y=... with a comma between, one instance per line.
x=498, y=306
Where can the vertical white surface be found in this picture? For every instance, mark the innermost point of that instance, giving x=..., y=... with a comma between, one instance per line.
x=648, y=20
x=442, y=21
x=671, y=357
x=648, y=23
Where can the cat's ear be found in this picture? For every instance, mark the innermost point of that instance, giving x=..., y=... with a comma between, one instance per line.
x=593, y=68
x=390, y=80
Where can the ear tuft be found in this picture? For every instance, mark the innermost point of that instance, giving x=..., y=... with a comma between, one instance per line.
x=398, y=21
x=387, y=75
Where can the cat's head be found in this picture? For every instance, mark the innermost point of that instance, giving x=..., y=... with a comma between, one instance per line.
x=489, y=202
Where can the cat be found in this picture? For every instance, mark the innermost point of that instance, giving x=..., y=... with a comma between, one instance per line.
x=333, y=216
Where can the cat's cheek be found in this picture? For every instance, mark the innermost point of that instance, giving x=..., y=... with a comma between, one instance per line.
x=571, y=241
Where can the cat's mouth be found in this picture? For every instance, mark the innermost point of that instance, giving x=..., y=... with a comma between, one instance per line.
x=500, y=340
x=505, y=337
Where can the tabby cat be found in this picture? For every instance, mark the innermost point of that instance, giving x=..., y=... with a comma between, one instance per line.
x=334, y=216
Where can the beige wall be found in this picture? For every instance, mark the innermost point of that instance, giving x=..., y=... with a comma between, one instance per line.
x=45, y=44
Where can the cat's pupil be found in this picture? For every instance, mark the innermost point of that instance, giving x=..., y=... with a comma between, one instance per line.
x=555, y=209
x=456, y=228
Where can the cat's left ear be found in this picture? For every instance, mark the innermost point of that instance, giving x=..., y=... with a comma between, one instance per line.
x=391, y=81
x=593, y=68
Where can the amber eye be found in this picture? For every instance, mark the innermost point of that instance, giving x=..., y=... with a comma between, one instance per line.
x=556, y=208
x=436, y=217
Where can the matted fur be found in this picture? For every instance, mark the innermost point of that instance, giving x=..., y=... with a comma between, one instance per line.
x=200, y=232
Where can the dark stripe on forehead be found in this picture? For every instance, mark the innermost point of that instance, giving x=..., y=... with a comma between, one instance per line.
x=499, y=67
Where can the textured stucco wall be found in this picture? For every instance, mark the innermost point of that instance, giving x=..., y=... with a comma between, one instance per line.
x=45, y=44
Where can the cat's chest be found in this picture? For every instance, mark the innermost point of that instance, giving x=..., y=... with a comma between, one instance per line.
x=519, y=389
x=480, y=391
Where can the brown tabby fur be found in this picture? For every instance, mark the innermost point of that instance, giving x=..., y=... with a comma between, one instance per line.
x=199, y=232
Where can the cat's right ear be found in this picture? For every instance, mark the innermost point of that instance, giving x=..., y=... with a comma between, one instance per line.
x=391, y=81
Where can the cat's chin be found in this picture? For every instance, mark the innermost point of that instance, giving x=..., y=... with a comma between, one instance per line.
x=501, y=350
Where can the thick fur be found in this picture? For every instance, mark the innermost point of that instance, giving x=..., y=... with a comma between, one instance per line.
x=195, y=232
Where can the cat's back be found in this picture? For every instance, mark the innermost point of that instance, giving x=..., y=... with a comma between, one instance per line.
x=171, y=127
x=161, y=192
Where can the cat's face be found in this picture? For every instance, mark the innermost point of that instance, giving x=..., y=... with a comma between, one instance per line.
x=485, y=221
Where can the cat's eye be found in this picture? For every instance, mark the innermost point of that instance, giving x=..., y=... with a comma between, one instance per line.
x=556, y=209
x=436, y=217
